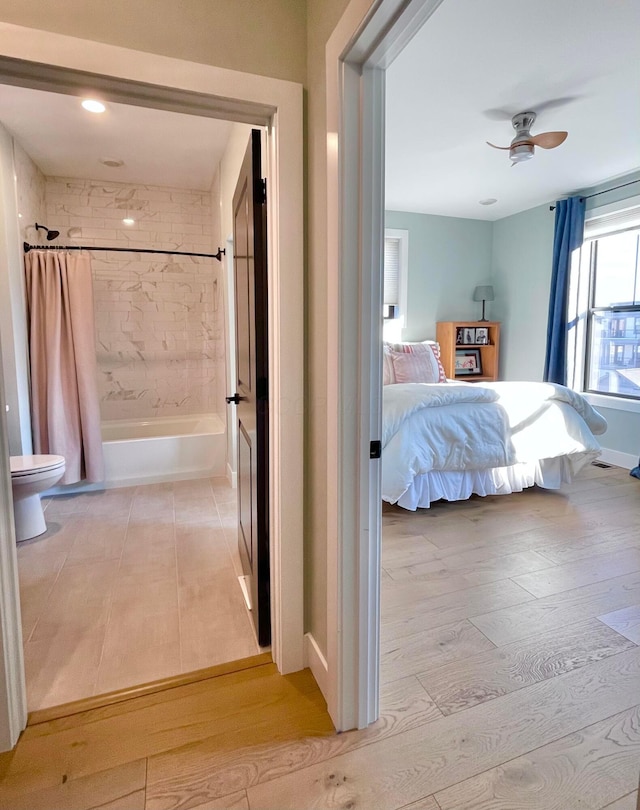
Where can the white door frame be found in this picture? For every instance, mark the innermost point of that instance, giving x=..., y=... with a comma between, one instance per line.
x=367, y=39
x=152, y=80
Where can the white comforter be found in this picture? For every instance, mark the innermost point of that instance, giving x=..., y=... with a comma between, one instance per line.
x=467, y=426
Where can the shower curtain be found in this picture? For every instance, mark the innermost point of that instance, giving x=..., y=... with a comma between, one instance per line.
x=65, y=412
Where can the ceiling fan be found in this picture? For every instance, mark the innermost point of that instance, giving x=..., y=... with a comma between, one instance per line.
x=523, y=145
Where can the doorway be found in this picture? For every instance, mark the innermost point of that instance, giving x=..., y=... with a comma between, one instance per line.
x=136, y=578
x=283, y=132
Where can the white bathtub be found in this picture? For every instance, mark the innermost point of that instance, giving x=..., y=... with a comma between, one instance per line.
x=163, y=449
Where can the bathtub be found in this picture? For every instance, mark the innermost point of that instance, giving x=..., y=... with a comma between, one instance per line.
x=163, y=449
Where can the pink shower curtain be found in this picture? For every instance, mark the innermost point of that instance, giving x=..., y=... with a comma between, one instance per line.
x=65, y=411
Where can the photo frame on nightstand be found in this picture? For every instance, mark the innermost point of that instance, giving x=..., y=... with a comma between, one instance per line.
x=468, y=362
x=468, y=336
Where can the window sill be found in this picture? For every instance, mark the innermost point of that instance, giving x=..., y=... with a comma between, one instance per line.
x=615, y=403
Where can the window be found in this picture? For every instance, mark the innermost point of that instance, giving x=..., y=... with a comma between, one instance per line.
x=396, y=260
x=608, y=271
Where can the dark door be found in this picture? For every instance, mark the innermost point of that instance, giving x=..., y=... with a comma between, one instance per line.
x=252, y=389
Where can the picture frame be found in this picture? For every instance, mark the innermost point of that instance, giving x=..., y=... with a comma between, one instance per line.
x=459, y=336
x=468, y=363
x=482, y=336
x=468, y=336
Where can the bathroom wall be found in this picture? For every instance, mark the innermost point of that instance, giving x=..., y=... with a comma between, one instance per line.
x=226, y=180
x=21, y=206
x=159, y=319
x=30, y=192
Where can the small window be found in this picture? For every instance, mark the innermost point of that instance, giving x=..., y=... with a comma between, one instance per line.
x=394, y=302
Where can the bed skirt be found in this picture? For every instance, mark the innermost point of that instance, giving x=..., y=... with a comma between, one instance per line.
x=548, y=473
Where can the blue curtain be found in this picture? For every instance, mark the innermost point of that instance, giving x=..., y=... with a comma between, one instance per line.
x=568, y=235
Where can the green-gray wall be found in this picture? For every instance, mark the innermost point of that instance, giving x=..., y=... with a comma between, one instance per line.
x=448, y=257
x=521, y=258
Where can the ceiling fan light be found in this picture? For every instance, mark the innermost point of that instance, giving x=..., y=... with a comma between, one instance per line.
x=520, y=153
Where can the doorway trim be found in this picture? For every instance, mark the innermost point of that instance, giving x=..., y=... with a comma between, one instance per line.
x=366, y=40
x=222, y=93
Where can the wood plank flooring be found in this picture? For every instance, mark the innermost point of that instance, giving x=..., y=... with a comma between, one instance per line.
x=510, y=666
x=129, y=586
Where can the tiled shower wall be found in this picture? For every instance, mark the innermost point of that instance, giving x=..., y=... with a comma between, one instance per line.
x=159, y=318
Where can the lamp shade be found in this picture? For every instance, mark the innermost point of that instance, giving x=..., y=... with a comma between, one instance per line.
x=483, y=293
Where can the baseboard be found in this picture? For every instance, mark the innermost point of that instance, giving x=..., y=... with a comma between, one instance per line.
x=232, y=477
x=317, y=663
x=625, y=460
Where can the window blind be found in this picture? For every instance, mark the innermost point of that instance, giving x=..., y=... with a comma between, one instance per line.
x=391, y=271
x=615, y=222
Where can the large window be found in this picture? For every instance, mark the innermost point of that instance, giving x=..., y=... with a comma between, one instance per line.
x=609, y=272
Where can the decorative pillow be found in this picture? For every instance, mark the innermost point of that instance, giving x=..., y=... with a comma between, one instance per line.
x=388, y=374
x=429, y=348
x=414, y=367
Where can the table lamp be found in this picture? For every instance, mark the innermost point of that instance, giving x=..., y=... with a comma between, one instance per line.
x=483, y=294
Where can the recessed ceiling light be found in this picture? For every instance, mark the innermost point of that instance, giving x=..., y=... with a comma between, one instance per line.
x=92, y=105
x=112, y=163
x=488, y=201
x=129, y=221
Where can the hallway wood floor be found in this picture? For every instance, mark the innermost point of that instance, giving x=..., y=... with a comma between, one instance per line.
x=511, y=681
x=131, y=585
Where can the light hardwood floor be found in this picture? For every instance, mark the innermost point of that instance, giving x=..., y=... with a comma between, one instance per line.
x=510, y=681
x=129, y=586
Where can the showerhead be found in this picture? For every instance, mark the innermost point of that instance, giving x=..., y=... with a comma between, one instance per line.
x=51, y=234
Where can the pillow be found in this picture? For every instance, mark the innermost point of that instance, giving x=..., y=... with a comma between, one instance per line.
x=388, y=374
x=415, y=367
x=429, y=348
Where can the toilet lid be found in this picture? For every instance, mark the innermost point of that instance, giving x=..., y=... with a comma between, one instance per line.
x=28, y=465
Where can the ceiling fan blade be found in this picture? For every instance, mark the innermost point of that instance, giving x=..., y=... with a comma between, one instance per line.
x=549, y=140
x=498, y=147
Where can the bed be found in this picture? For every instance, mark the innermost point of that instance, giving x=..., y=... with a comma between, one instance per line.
x=450, y=439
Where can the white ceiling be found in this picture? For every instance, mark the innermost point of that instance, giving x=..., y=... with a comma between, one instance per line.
x=474, y=59
x=158, y=148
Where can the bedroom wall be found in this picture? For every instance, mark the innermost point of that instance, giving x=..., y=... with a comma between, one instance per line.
x=448, y=257
x=522, y=255
x=522, y=252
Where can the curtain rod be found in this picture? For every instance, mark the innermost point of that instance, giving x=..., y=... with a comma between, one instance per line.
x=221, y=251
x=597, y=193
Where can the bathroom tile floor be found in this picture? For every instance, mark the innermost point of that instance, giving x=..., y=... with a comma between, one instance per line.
x=131, y=585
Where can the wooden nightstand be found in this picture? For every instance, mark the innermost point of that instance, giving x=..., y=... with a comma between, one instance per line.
x=446, y=334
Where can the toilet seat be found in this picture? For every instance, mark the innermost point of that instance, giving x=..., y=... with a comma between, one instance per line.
x=22, y=466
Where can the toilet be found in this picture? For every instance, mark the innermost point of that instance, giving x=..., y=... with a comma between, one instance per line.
x=31, y=475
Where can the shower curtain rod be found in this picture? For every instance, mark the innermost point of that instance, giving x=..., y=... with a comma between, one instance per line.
x=218, y=255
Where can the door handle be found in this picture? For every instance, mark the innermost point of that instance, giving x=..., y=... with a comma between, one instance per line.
x=235, y=399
